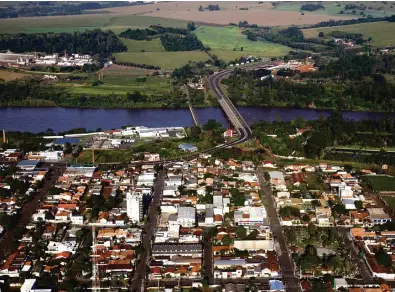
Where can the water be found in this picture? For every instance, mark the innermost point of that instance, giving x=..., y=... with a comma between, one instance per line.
x=63, y=119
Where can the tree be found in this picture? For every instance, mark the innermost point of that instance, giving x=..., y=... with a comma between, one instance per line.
x=383, y=258
x=241, y=232
x=191, y=26
x=201, y=8
x=358, y=204
x=195, y=132
x=241, y=49
x=226, y=240
x=321, y=34
x=306, y=218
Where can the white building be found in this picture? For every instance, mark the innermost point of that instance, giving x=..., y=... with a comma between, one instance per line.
x=186, y=216
x=134, y=206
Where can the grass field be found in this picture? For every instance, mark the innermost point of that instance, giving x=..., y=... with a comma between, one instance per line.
x=121, y=84
x=381, y=183
x=381, y=32
x=334, y=8
x=8, y=75
x=154, y=45
x=71, y=23
x=223, y=41
x=390, y=201
x=165, y=60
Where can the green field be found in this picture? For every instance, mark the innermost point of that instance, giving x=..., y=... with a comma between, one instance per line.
x=226, y=43
x=72, y=23
x=165, y=60
x=381, y=183
x=390, y=201
x=334, y=8
x=153, y=85
x=154, y=45
x=381, y=32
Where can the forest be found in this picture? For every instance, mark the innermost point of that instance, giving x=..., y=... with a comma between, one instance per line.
x=328, y=132
x=312, y=7
x=351, y=83
x=153, y=30
x=175, y=43
x=94, y=42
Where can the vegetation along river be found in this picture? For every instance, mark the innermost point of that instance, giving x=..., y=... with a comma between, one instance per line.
x=63, y=119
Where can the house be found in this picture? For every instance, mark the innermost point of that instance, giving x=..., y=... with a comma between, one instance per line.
x=151, y=157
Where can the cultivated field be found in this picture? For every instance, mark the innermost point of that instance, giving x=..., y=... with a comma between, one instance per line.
x=70, y=23
x=375, y=9
x=175, y=14
x=226, y=43
x=381, y=32
x=165, y=60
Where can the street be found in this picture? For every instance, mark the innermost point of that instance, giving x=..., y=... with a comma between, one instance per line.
x=148, y=233
x=284, y=257
x=26, y=213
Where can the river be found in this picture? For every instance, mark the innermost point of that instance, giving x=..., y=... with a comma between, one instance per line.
x=61, y=119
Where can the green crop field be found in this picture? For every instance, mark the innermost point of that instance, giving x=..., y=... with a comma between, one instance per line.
x=71, y=23
x=165, y=60
x=154, y=45
x=153, y=85
x=334, y=8
x=226, y=42
x=381, y=32
x=381, y=183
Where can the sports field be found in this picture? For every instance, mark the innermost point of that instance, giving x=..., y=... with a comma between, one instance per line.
x=165, y=60
x=226, y=43
x=121, y=84
x=381, y=32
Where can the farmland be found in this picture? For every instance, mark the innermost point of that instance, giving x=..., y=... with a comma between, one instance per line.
x=226, y=43
x=165, y=60
x=381, y=32
x=71, y=23
x=381, y=183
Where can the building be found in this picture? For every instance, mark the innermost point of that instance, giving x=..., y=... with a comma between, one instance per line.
x=28, y=164
x=378, y=216
x=188, y=147
x=186, y=249
x=186, y=216
x=134, y=206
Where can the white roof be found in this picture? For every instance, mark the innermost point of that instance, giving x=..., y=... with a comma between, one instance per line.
x=254, y=244
x=186, y=213
x=28, y=284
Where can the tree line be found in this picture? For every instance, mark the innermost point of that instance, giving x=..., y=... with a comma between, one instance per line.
x=175, y=43
x=94, y=42
x=312, y=7
x=351, y=21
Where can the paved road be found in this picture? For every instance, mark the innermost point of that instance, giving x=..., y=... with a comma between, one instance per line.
x=285, y=260
x=26, y=213
x=149, y=230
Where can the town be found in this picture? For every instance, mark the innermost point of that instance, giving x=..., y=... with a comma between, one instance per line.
x=206, y=222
